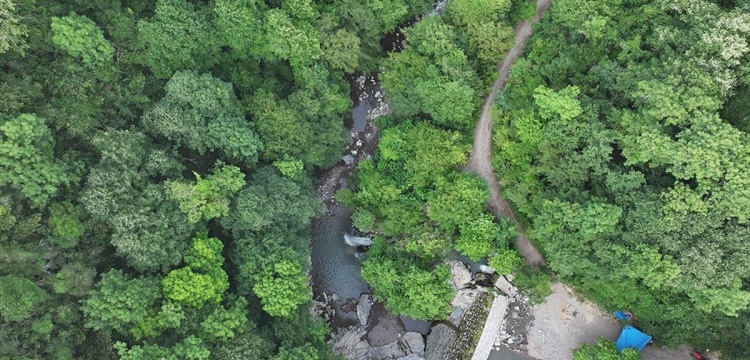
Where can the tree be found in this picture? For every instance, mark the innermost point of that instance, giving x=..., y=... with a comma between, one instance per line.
x=12, y=30
x=178, y=37
x=196, y=103
x=248, y=345
x=240, y=22
x=18, y=298
x=203, y=280
x=80, y=38
x=65, y=220
x=481, y=236
x=563, y=103
x=430, y=68
x=270, y=199
x=406, y=288
x=74, y=279
x=282, y=287
x=291, y=39
x=119, y=302
x=27, y=159
x=457, y=201
x=208, y=198
x=223, y=324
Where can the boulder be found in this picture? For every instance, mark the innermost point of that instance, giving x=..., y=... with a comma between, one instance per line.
x=348, y=159
x=387, y=352
x=411, y=357
x=413, y=343
x=464, y=298
x=350, y=344
x=439, y=342
x=460, y=275
x=349, y=306
x=363, y=309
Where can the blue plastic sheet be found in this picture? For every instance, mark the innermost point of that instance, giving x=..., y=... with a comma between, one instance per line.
x=622, y=315
x=631, y=337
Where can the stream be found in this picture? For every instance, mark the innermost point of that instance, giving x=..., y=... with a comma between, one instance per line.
x=337, y=250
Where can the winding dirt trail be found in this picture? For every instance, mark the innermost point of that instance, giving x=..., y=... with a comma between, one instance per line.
x=481, y=153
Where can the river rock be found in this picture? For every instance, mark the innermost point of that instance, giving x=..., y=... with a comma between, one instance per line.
x=349, y=306
x=460, y=275
x=411, y=357
x=439, y=342
x=363, y=309
x=387, y=352
x=350, y=344
x=465, y=298
x=414, y=343
x=348, y=159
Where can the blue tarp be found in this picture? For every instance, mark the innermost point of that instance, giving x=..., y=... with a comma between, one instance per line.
x=631, y=337
x=622, y=315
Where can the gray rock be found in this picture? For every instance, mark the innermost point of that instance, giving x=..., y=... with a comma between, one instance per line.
x=460, y=275
x=363, y=309
x=350, y=344
x=348, y=159
x=414, y=343
x=439, y=342
x=412, y=357
x=387, y=352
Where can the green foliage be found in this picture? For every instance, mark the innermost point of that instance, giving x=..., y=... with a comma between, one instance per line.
x=148, y=229
x=604, y=350
x=612, y=142
x=203, y=280
x=457, y=201
x=535, y=284
x=12, y=29
x=291, y=40
x=169, y=316
x=468, y=12
x=270, y=199
x=223, y=324
x=505, y=261
x=406, y=288
x=74, y=279
x=196, y=103
x=192, y=348
x=249, y=345
x=306, y=352
x=118, y=301
x=482, y=235
x=27, y=160
x=18, y=298
x=282, y=287
x=78, y=36
x=65, y=220
x=563, y=103
x=431, y=75
x=240, y=23
x=290, y=168
x=208, y=198
x=178, y=37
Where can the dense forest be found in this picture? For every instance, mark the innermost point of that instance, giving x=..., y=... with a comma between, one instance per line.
x=157, y=164
x=155, y=167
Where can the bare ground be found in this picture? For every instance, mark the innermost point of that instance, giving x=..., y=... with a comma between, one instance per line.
x=564, y=322
x=480, y=160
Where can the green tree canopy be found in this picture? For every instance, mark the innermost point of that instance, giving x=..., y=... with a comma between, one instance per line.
x=27, y=159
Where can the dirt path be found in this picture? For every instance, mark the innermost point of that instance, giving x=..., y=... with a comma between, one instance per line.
x=480, y=161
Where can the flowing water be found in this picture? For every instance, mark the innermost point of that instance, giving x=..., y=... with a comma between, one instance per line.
x=335, y=265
